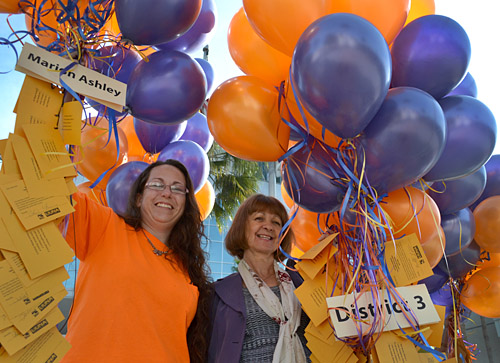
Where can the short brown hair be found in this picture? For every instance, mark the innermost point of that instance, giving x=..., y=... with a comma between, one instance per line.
x=236, y=242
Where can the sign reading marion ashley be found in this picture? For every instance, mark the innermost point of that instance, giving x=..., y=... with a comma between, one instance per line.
x=39, y=63
x=418, y=307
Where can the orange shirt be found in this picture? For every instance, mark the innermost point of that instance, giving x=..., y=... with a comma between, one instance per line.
x=130, y=305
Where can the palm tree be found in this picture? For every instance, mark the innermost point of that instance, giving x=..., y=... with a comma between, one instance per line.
x=233, y=180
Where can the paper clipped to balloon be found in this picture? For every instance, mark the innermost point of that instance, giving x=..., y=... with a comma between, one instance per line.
x=41, y=64
x=418, y=308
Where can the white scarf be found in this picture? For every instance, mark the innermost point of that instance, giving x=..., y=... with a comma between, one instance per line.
x=288, y=349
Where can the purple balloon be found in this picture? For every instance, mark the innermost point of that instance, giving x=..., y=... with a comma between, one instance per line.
x=197, y=131
x=150, y=22
x=471, y=137
x=459, y=229
x=404, y=139
x=154, y=137
x=192, y=156
x=431, y=53
x=466, y=88
x=342, y=69
x=170, y=88
x=209, y=72
x=436, y=280
x=199, y=34
x=453, y=195
x=492, y=187
x=115, y=62
x=120, y=183
x=442, y=296
x=309, y=178
x=463, y=261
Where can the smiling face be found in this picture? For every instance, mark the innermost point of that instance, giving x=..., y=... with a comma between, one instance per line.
x=262, y=232
x=160, y=210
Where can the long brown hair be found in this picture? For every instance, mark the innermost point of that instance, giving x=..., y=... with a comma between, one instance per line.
x=185, y=243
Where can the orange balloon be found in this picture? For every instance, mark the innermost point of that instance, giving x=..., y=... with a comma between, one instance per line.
x=315, y=128
x=253, y=55
x=9, y=6
x=494, y=261
x=206, y=199
x=481, y=292
x=94, y=157
x=47, y=17
x=412, y=211
x=420, y=8
x=111, y=27
x=434, y=247
x=96, y=194
x=305, y=227
x=281, y=22
x=388, y=16
x=134, y=145
x=487, y=216
x=243, y=117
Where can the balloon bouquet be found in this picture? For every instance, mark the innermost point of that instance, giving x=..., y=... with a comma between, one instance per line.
x=144, y=44
x=387, y=142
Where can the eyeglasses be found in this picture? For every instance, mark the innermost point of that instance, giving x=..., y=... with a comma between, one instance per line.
x=174, y=188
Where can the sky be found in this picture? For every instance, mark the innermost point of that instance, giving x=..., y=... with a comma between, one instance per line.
x=479, y=18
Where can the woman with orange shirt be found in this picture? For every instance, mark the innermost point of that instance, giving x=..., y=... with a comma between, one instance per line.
x=142, y=284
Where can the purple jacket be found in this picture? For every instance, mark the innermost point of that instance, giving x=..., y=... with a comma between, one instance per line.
x=228, y=318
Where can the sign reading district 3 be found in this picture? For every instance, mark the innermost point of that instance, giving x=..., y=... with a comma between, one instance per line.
x=418, y=307
x=39, y=63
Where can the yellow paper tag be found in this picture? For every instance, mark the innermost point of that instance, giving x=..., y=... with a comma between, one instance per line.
x=70, y=123
x=49, y=347
x=38, y=104
x=49, y=151
x=396, y=350
x=406, y=260
x=13, y=340
x=36, y=183
x=33, y=212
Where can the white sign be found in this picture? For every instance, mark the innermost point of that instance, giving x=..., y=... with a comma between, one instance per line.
x=413, y=303
x=39, y=63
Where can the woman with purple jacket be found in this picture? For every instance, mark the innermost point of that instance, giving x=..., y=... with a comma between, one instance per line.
x=255, y=314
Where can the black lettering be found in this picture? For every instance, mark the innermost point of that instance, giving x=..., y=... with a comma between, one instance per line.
x=420, y=302
x=395, y=307
x=388, y=307
x=370, y=307
x=83, y=78
x=32, y=57
x=362, y=313
x=338, y=310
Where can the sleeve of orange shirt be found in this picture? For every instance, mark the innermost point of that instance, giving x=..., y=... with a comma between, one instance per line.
x=86, y=225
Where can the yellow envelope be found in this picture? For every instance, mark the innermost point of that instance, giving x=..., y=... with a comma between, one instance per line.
x=49, y=151
x=324, y=352
x=13, y=340
x=36, y=183
x=49, y=347
x=6, y=242
x=395, y=350
x=9, y=162
x=323, y=331
x=33, y=212
x=70, y=121
x=406, y=260
x=45, y=281
x=39, y=102
x=436, y=335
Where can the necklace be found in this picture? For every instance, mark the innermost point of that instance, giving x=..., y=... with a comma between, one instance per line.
x=156, y=251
